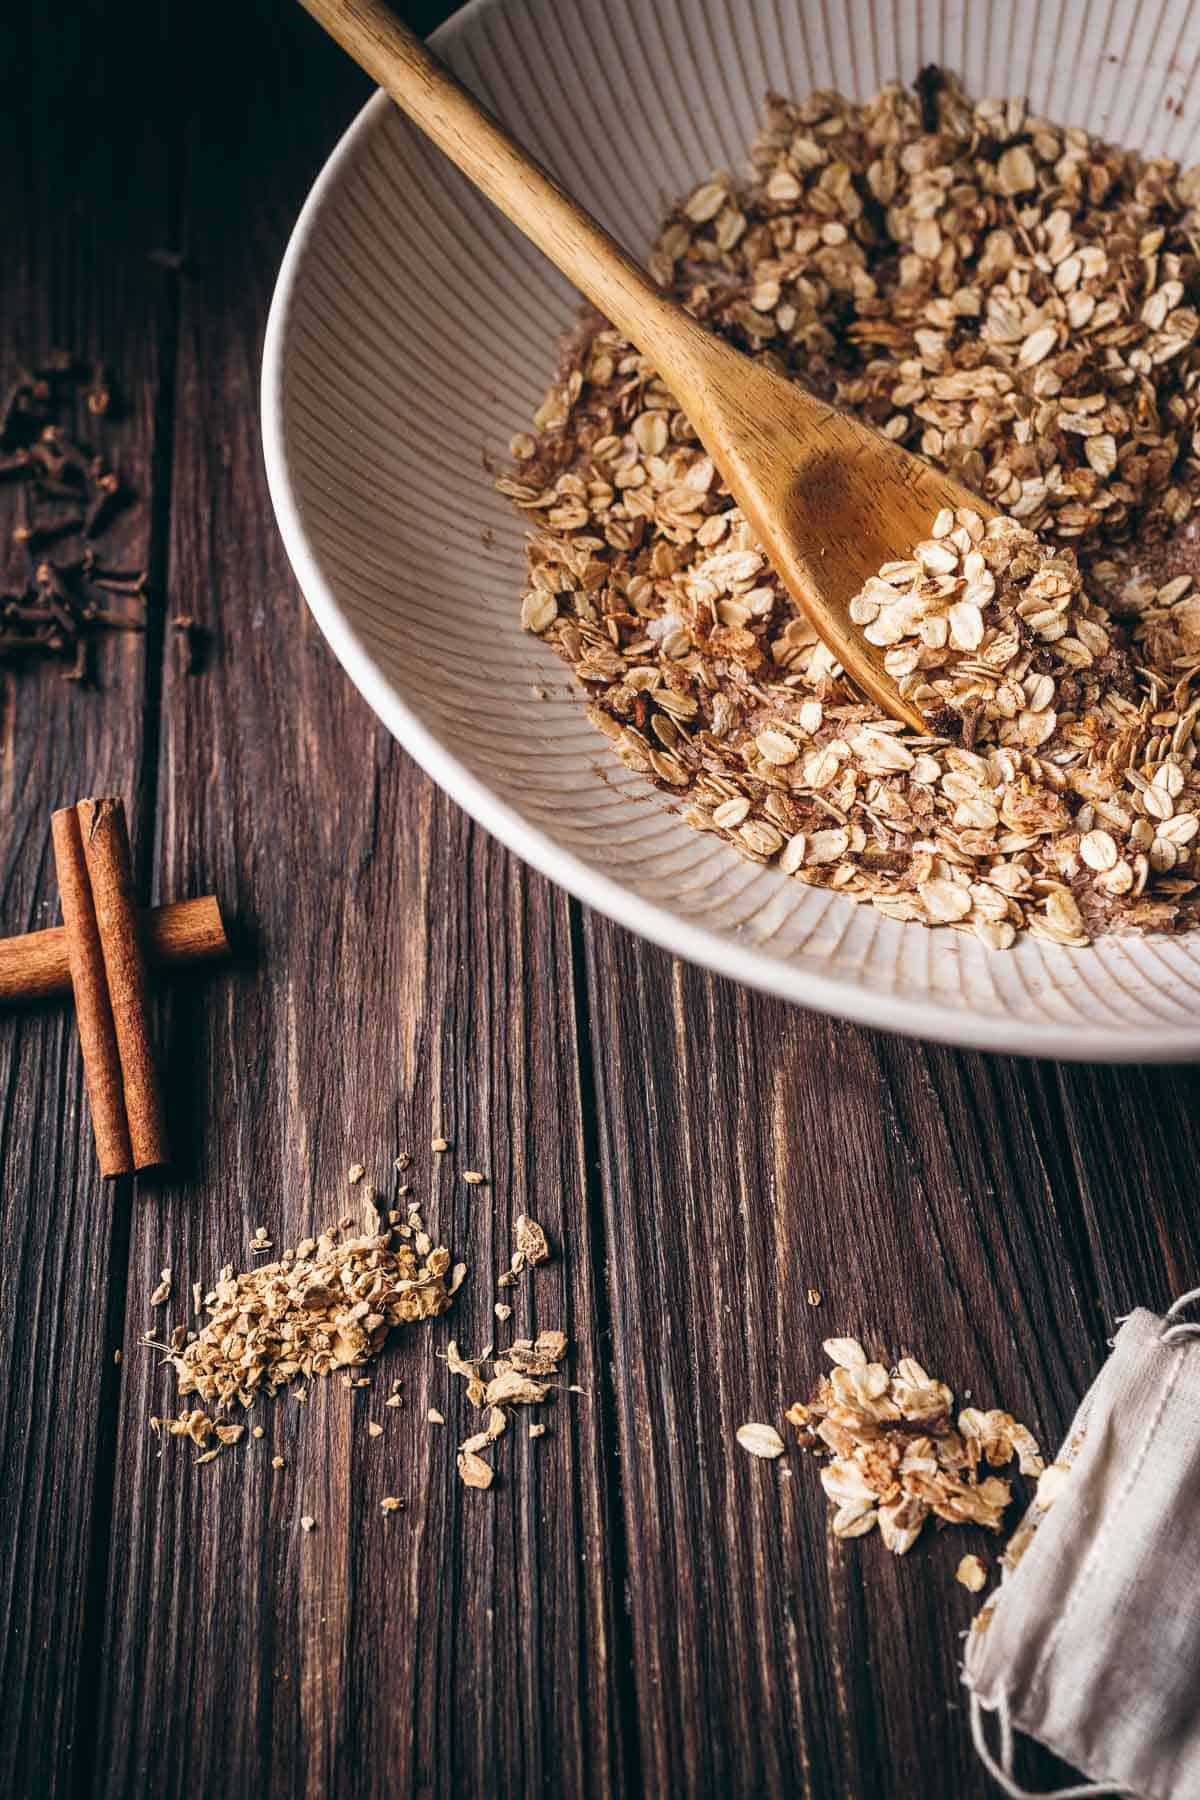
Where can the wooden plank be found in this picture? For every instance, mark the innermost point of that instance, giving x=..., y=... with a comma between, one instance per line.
x=84, y=199
x=986, y=1215
x=402, y=977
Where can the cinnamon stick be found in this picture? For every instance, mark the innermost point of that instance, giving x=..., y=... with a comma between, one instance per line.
x=36, y=966
x=109, y=868
x=93, y=1013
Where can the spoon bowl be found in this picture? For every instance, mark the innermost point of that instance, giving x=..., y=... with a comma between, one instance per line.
x=829, y=499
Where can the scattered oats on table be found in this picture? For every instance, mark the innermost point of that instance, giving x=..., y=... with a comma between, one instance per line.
x=897, y=1455
x=972, y=1574
x=1014, y=300
x=761, y=1440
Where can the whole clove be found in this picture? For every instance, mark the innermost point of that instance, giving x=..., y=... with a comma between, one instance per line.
x=35, y=537
x=99, y=392
x=108, y=500
x=119, y=581
x=56, y=453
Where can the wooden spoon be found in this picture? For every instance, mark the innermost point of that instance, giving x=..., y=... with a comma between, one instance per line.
x=829, y=499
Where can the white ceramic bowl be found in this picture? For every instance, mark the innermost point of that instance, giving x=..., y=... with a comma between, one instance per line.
x=413, y=331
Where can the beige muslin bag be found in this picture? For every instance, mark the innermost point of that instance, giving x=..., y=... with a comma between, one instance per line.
x=1091, y=1644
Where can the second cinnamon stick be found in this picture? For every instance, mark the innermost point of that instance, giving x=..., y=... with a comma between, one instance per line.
x=106, y=852
x=93, y=1014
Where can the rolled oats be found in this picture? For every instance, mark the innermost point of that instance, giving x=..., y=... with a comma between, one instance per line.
x=896, y=1454
x=1011, y=299
x=761, y=1440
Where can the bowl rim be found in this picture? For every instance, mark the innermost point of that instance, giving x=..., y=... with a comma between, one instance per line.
x=927, y=1018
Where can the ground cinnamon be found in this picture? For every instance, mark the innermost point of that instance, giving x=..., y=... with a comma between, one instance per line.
x=109, y=868
x=36, y=966
x=93, y=1012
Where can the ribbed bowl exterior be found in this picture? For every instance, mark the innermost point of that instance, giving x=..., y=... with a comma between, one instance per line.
x=413, y=331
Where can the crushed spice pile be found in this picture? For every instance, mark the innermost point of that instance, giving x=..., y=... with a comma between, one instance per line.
x=897, y=1456
x=327, y=1305
x=1014, y=300
x=521, y=1376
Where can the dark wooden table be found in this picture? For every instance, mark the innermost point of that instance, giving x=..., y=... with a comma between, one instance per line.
x=636, y=1605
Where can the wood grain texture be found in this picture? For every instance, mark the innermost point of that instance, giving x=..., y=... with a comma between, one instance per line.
x=636, y=1606
x=402, y=978
x=73, y=235
x=988, y=1216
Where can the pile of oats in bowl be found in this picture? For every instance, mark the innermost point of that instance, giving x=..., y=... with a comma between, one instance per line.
x=1015, y=301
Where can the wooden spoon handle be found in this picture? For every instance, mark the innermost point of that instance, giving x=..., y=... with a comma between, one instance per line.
x=480, y=146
